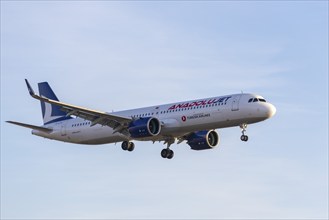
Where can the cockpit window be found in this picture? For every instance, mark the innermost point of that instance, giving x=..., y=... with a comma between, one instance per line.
x=256, y=100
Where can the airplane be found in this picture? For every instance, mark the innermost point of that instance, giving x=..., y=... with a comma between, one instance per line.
x=192, y=121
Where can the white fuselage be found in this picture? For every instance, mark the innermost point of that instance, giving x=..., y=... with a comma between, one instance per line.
x=176, y=119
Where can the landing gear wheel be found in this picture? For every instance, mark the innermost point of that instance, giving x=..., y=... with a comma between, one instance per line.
x=167, y=153
x=170, y=154
x=164, y=153
x=244, y=138
x=127, y=145
x=131, y=146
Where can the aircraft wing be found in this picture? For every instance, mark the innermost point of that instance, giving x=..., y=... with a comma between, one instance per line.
x=118, y=123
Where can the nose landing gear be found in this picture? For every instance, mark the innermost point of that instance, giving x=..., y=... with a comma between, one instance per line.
x=243, y=130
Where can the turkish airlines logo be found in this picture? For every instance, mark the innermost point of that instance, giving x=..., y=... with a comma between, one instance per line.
x=183, y=118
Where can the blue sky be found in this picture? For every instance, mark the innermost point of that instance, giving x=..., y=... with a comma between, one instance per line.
x=120, y=55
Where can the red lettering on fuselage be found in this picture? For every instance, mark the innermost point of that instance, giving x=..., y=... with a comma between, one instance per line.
x=172, y=107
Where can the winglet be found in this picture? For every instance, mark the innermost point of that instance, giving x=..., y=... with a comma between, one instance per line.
x=29, y=88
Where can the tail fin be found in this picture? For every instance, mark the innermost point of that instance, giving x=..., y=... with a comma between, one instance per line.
x=50, y=113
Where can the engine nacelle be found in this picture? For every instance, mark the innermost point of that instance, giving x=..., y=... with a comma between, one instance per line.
x=144, y=127
x=203, y=140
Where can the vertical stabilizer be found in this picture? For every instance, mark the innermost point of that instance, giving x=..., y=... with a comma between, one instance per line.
x=50, y=113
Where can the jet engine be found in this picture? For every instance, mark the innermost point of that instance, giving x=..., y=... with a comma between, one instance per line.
x=203, y=140
x=144, y=127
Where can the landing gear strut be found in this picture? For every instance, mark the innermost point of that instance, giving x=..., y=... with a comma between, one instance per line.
x=127, y=145
x=243, y=130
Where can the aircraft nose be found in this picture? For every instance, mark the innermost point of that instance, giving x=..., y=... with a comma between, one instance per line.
x=271, y=110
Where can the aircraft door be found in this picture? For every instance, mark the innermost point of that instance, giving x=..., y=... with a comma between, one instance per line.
x=235, y=102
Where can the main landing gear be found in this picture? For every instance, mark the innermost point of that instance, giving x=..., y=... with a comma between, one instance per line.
x=243, y=130
x=127, y=145
x=167, y=153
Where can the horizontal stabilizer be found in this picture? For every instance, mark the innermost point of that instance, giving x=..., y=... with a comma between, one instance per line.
x=46, y=130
